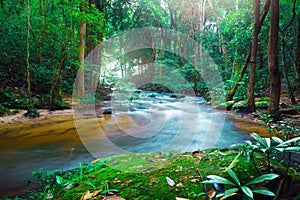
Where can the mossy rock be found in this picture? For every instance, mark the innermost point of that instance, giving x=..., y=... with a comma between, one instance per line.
x=229, y=105
x=262, y=104
x=241, y=105
x=257, y=99
x=224, y=106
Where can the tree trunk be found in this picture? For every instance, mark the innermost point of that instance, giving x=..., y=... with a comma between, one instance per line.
x=234, y=88
x=275, y=82
x=80, y=73
x=222, y=48
x=297, y=56
x=41, y=31
x=54, y=91
x=255, y=32
x=291, y=93
x=247, y=59
x=30, y=103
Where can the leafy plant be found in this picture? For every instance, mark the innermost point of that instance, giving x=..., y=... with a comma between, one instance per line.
x=3, y=110
x=236, y=186
x=272, y=146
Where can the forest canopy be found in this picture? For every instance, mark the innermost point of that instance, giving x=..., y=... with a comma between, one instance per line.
x=254, y=44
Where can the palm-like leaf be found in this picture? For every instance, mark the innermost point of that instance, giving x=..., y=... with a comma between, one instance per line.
x=263, y=191
x=278, y=140
x=247, y=191
x=218, y=179
x=233, y=176
x=262, y=178
x=296, y=139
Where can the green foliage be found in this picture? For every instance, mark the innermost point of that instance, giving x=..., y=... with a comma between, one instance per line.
x=54, y=183
x=240, y=105
x=3, y=110
x=283, y=129
x=262, y=104
x=236, y=186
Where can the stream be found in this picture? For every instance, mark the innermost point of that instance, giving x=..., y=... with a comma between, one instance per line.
x=154, y=122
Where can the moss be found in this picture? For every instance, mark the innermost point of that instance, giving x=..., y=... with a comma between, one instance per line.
x=240, y=105
x=143, y=176
x=262, y=99
x=262, y=104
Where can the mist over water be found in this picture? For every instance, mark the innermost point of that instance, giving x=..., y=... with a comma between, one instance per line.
x=157, y=123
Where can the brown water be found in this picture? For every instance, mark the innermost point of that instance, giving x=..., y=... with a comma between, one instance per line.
x=54, y=143
x=29, y=145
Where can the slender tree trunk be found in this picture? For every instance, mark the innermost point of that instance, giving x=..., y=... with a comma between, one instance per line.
x=222, y=48
x=297, y=55
x=152, y=64
x=275, y=82
x=261, y=57
x=291, y=93
x=55, y=91
x=161, y=45
x=80, y=73
x=30, y=103
x=247, y=58
x=244, y=69
x=41, y=34
x=255, y=32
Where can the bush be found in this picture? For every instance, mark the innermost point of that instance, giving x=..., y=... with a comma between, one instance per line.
x=3, y=110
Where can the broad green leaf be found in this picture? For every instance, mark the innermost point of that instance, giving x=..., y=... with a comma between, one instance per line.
x=262, y=178
x=263, y=191
x=293, y=149
x=229, y=192
x=280, y=149
x=218, y=179
x=233, y=176
x=247, y=191
x=267, y=142
x=220, y=194
x=296, y=139
x=257, y=137
x=278, y=140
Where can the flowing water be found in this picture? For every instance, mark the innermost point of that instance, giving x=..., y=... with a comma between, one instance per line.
x=157, y=123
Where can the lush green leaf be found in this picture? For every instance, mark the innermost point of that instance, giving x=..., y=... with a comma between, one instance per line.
x=247, y=191
x=262, y=178
x=263, y=191
x=218, y=179
x=233, y=176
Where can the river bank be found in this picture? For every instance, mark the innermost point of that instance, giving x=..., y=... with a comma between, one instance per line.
x=57, y=130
